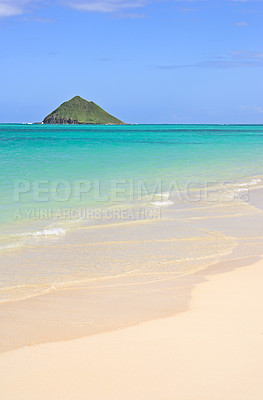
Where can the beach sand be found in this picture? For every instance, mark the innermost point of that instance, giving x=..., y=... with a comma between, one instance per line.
x=214, y=350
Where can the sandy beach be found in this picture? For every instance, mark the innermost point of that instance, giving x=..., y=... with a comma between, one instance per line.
x=212, y=351
x=131, y=212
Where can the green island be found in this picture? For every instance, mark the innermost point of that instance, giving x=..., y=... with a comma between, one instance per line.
x=80, y=111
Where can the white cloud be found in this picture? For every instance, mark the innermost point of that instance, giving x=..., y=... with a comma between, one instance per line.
x=247, y=1
x=258, y=109
x=236, y=59
x=107, y=6
x=9, y=8
x=247, y=55
x=241, y=23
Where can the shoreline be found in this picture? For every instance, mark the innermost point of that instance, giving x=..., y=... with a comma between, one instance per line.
x=41, y=242
x=213, y=349
x=70, y=329
x=70, y=314
x=94, y=306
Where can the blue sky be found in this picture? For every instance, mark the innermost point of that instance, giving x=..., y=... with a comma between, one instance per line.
x=159, y=61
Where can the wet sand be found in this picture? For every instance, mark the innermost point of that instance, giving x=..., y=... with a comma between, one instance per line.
x=213, y=350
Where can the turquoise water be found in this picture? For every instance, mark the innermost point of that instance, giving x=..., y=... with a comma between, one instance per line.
x=159, y=168
x=42, y=166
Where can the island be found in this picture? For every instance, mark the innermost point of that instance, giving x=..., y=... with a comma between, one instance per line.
x=80, y=111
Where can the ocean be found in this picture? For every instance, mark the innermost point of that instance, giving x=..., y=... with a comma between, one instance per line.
x=84, y=204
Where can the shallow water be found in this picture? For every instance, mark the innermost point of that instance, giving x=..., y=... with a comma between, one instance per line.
x=85, y=203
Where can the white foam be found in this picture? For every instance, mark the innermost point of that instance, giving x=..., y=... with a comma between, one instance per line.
x=162, y=203
x=242, y=190
x=250, y=183
x=9, y=246
x=165, y=195
x=46, y=232
x=164, y=200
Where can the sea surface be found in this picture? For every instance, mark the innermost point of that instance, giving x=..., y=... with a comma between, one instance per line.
x=82, y=204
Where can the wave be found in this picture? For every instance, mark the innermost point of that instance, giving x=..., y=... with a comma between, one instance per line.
x=242, y=189
x=163, y=200
x=46, y=232
x=17, y=238
x=250, y=183
x=9, y=246
x=162, y=203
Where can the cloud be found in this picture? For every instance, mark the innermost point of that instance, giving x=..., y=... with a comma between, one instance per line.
x=241, y=23
x=10, y=8
x=130, y=15
x=236, y=59
x=245, y=55
x=257, y=109
x=247, y=1
x=39, y=20
x=106, y=6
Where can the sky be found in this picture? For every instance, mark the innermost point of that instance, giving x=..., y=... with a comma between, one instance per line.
x=144, y=61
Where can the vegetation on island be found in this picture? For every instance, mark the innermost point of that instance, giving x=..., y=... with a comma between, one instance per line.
x=80, y=111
